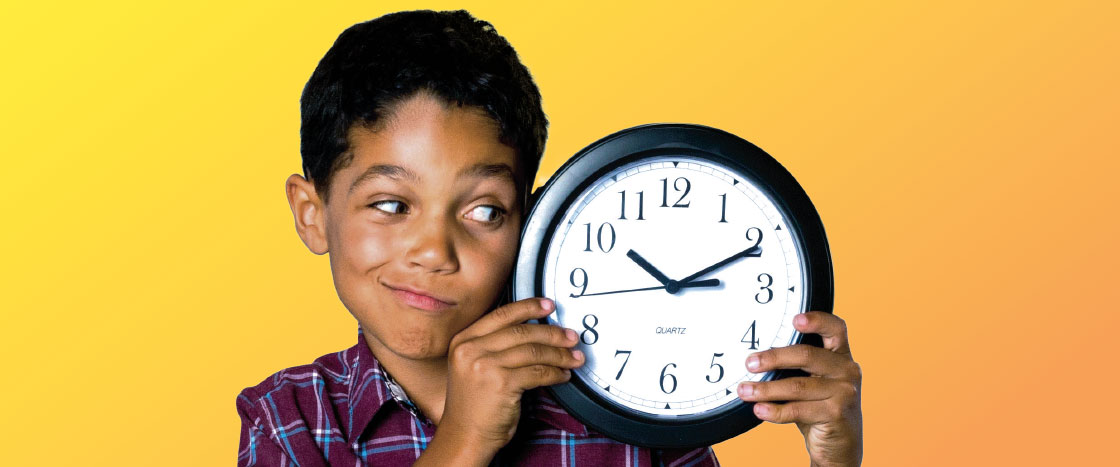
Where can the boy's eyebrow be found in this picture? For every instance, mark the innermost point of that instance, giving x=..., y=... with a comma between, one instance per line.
x=484, y=170
x=384, y=170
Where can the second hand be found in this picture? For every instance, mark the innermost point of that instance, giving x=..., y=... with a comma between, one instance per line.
x=703, y=283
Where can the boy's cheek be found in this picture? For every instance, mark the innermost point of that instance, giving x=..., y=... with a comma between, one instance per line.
x=364, y=245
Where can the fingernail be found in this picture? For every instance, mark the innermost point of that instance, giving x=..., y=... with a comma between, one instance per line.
x=577, y=354
x=570, y=333
x=567, y=374
x=761, y=410
x=800, y=320
x=746, y=390
x=753, y=363
x=547, y=304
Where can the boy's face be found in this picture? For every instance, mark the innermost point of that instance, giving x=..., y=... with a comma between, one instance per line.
x=422, y=226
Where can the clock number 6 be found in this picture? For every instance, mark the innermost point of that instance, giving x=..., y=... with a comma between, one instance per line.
x=583, y=282
x=715, y=365
x=599, y=237
x=674, y=378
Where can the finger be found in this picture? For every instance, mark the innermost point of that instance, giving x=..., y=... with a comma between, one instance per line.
x=504, y=316
x=809, y=412
x=832, y=329
x=791, y=389
x=529, y=377
x=537, y=354
x=521, y=334
x=815, y=360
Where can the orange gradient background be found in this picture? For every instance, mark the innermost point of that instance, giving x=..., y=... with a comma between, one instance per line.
x=962, y=155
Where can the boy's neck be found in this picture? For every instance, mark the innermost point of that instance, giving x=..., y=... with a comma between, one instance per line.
x=424, y=381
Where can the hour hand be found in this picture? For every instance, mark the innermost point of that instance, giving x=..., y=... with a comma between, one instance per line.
x=662, y=278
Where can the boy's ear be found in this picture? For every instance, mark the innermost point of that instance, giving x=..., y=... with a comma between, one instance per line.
x=309, y=212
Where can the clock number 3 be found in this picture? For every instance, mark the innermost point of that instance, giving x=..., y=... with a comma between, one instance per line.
x=765, y=288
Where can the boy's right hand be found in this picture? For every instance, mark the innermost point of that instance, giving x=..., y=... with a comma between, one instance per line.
x=492, y=363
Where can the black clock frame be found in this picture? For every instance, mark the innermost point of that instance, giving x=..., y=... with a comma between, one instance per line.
x=599, y=158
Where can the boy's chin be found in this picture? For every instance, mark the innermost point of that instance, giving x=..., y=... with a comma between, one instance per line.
x=411, y=347
x=421, y=353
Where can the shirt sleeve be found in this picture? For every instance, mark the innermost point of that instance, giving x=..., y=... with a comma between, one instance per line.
x=699, y=457
x=256, y=448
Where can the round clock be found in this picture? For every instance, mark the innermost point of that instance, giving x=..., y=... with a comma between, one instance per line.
x=675, y=251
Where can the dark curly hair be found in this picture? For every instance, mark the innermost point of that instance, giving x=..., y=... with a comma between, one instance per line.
x=375, y=65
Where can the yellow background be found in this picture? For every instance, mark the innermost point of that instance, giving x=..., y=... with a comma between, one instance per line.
x=962, y=155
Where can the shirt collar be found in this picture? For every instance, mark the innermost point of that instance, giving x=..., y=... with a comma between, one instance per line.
x=368, y=392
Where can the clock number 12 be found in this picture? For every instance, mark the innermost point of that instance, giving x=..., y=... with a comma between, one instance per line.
x=676, y=187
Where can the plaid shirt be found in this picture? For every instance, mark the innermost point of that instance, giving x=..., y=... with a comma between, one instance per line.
x=341, y=410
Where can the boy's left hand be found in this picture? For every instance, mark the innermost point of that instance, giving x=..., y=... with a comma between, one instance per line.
x=826, y=405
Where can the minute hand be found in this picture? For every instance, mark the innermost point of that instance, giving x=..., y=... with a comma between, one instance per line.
x=754, y=251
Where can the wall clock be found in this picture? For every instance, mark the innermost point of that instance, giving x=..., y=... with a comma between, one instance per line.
x=675, y=251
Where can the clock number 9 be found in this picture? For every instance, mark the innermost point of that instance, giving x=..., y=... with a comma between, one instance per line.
x=583, y=282
x=673, y=378
x=599, y=237
x=766, y=288
x=594, y=334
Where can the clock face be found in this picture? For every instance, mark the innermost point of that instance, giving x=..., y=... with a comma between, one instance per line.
x=673, y=269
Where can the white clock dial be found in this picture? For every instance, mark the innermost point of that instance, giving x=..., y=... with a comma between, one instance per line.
x=683, y=353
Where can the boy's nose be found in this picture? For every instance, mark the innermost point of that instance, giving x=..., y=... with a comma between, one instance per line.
x=433, y=248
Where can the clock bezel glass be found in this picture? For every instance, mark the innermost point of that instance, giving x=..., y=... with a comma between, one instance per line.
x=720, y=402
x=591, y=163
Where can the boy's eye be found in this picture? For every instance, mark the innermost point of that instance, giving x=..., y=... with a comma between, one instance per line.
x=485, y=213
x=391, y=206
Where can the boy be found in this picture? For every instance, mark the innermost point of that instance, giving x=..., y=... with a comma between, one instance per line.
x=421, y=133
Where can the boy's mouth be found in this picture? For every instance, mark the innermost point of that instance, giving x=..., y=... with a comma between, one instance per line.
x=418, y=298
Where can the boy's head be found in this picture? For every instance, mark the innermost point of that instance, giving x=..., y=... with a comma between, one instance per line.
x=424, y=131
x=375, y=65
